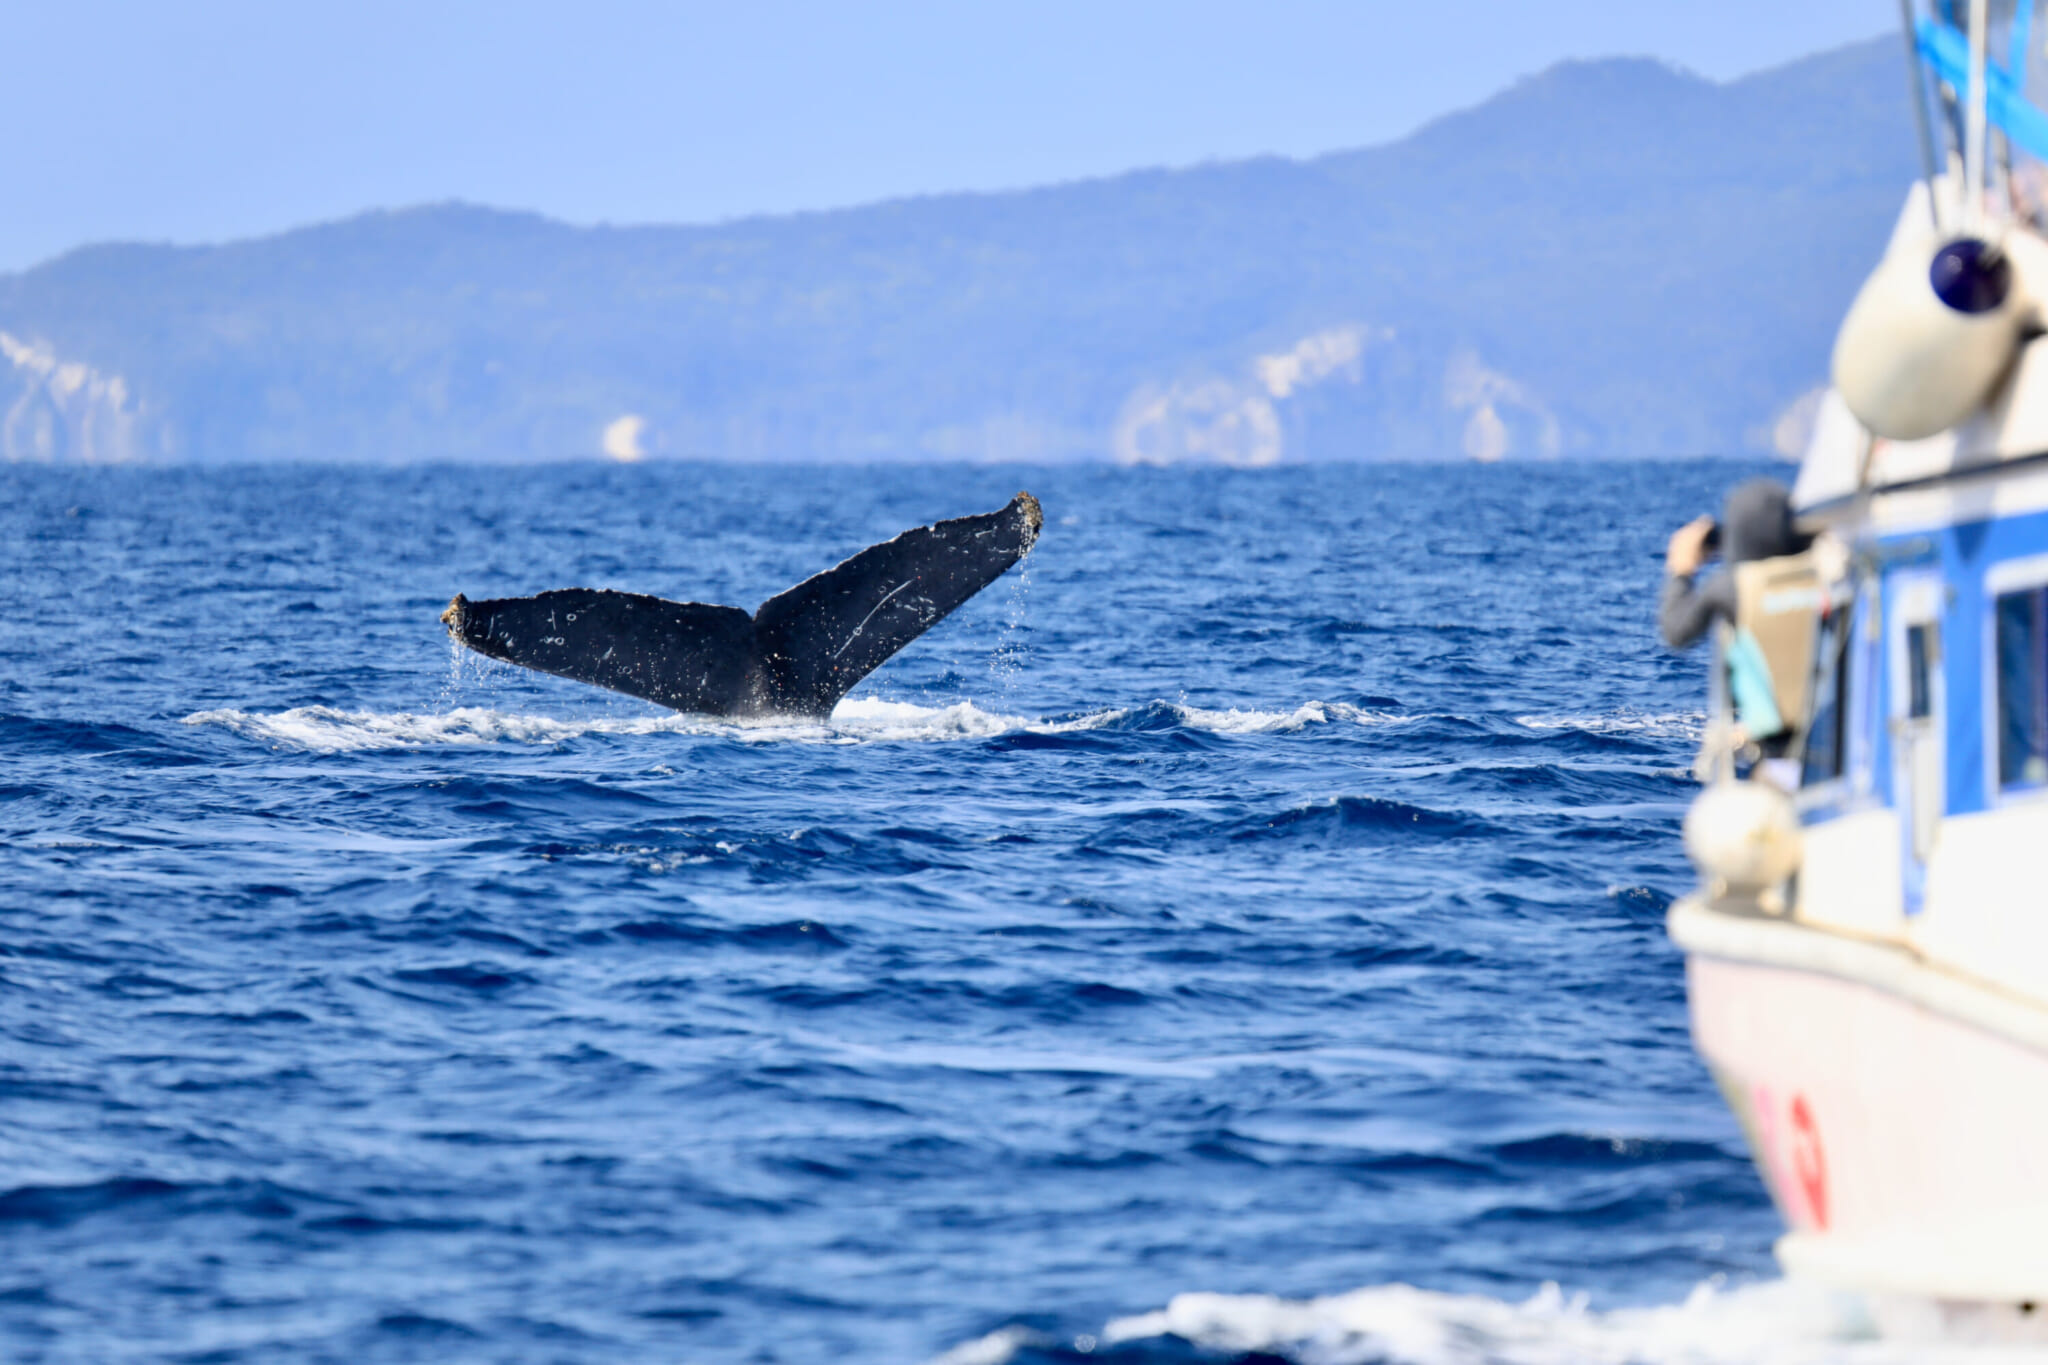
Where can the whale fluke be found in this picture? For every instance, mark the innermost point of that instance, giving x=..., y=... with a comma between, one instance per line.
x=797, y=656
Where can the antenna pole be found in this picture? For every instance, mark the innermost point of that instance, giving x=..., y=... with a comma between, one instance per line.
x=1974, y=131
x=1916, y=78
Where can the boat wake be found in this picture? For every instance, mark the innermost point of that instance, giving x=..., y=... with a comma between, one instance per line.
x=1775, y=1323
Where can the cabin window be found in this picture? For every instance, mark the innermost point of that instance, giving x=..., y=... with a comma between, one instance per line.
x=2022, y=628
x=1919, y=665
x=1827, y=736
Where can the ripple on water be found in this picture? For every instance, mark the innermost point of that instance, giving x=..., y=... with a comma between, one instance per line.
x=1267, y=902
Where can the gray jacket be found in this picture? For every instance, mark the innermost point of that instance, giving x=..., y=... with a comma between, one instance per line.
x=1687, y=610
x=1756, y=523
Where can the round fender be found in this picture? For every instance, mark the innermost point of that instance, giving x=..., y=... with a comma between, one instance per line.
x=1744, y=835
x=1926, y=341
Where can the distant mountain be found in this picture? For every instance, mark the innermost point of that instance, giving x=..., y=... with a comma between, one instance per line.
x=1614, y=257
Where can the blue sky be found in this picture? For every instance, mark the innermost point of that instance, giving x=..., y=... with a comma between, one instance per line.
x=212, y=119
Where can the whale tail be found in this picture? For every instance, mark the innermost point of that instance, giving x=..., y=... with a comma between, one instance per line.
x=798, y=655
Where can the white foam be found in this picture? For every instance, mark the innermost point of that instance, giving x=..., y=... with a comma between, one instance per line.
x=1667, y=725
x=994, y=1349
x=1778, y=1323
x=872, y=718
x=1250, y=722
x=329, y=729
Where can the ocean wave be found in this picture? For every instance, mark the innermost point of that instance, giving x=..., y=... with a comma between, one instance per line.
x=1775, y=1323
x=1254, y=722
x=1353, y=819
x=330, y=729
x=1687, y=725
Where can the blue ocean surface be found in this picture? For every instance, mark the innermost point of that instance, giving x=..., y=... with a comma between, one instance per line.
x=1237, y=934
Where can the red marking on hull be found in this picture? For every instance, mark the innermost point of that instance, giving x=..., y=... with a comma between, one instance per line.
x=1809, y=1161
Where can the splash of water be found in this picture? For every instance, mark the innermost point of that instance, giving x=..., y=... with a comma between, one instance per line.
x=1776, y=1323
x=854, y=721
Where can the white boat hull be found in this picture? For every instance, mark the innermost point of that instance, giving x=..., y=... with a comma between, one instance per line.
x=1899, y=1115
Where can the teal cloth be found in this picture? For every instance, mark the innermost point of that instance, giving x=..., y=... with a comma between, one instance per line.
x=1749, y=682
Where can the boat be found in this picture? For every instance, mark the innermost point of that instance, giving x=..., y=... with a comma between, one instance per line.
x=1867, y=952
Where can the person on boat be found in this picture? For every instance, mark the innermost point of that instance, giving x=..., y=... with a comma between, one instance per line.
x=1756, y=523
x=1768, y=598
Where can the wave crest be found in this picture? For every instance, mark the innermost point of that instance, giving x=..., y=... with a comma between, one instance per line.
x=857, y=720
x=854, y=721
x=1777, y=1323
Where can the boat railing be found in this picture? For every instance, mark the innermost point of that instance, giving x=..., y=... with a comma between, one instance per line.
x=1723, y=741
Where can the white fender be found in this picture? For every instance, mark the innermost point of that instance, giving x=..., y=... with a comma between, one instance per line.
x=1909, y=365
x=1743, y=835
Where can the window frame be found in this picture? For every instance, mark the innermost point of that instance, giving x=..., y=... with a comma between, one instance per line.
x=1834, y=644
x=1848, y=786
x=2028, y=574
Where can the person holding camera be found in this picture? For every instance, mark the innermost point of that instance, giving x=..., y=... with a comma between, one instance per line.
x=1756, y=523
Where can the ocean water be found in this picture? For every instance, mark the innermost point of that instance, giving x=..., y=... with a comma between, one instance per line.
x=1238, y=934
